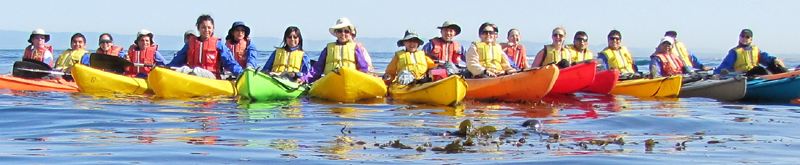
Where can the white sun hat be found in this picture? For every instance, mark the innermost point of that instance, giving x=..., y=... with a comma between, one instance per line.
x=342, y=23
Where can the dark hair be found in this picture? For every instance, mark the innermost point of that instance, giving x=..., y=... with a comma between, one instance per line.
x=581, y=33
x=286, y=34
x=105, y=34
x=77, y=35
x=484, y=25
x=203, y=18
x=511, y=30
x=671, y=33
x=614, y=32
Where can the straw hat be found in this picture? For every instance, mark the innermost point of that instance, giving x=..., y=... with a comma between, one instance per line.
x=410, y=35
x=340, y=24
x=39, y=32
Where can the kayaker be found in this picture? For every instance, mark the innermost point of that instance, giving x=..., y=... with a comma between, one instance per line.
x=580, y=48
x=364, y=51
x=411, y=64
x=241, y=46
x=689, y=59
x=206, y=55
x=444, y=48
x=39, y=50
x=106, y=43
x=745, y=57
x=486, y=58
x=292, y=61
x=73, y=55
x=187, y=35
x=515, y=50
x=342, y=53
x=554, y=53
x=665, y=61
x=616, y=56
x=143, y=51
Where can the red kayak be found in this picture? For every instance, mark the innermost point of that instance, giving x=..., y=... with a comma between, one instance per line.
x=576, y=77
x=604, y=81
x=16, y=83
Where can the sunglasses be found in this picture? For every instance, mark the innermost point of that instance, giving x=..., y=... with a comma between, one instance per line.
x=341, y=31
x=488, y=32
x=614, y=38
x=105, y=42
x=558, y=35
x=38, y=37
x=581, y=39
x=745, y=36
x=293, y=37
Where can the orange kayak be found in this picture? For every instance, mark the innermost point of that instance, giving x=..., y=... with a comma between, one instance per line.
x=529, y=85
x=16, y=83
x=780, y=75
x=575, y=77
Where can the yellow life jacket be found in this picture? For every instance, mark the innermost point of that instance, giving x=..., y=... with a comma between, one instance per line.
x=554, y=56
x=287, y=61
x=491, y=56
x=340, y=56
x=746, y=60
x=684, y=53
x=415, y=63
x=69, y=58
x=577, y=56
x=620, y=59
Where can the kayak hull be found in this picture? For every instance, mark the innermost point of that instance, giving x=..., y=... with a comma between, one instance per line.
x=529, y=85
x=781, y=90
x=16, y=83
x=168, y=83
x=256, y=86
x=91, y=80
x=448, y=91
x=728, y=90
x=574, y=78
x=604, y=82
x=658, y=87
x=348, y=85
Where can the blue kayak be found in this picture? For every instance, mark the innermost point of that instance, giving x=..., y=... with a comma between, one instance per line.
x=774, y=91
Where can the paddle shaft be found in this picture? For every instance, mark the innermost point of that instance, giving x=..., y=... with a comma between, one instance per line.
x=43, y=71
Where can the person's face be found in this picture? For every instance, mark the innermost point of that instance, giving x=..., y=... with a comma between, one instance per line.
x=344, y=34
x=186, y=38
x=107, y=44
x=77, y=43
x=514, y=36
x=581, y=42
x=238, y=33
x=745, y=39
x=144, y=41
x=488, y=34
x=614, y=41
x=293, y=40
x=206, y=29
x=38, y=40
x=411, y=45
x=665, y=47
x=448, y=34
x=558, y=36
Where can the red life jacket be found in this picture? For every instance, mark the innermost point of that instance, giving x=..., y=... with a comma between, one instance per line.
x=670, y=64
x=446, y=51
x=238, y=51
x=204, y=56
x=514, y=52
x=146, y=56
x=114, y=51
x=38, y=54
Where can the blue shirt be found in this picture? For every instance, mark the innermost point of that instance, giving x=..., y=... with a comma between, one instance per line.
x=730, y=60
x=305, y=68
x=226, y=58
x=251, y=53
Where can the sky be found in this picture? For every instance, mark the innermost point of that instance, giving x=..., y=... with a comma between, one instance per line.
x=710, y=26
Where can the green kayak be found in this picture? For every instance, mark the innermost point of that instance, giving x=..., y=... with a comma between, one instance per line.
x=257, y=86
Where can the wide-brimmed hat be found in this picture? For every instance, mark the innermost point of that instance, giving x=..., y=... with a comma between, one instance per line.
x=410, y=35
x=39, y=32
x=451, y=24
x=342, y=23
x=143, y=32
x=191, y=32
x=235, y=24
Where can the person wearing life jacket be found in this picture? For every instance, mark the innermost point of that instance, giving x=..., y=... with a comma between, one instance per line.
x=106, y=43
x=746, y=57
x=444, y=48
x=579, y=49
x=554, y=53
x=688, y=58
x=290, y=59
x=486, y=58
x=143, y=51
x=342, y=53
x=38, y=50
x=665, y=61
x=411, y=64
x=206, y=54
x=73, y=55
x=616, y=56
x=242, y=48
x=516, y=51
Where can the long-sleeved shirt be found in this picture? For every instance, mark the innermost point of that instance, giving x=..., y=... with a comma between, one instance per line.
x=730, y=60
x=428, y=48
x=70, y=57
x=602, y=56
x=305, y=66
x=474, y=64
x=319, y=66
x=251, y=52
x=226, y=58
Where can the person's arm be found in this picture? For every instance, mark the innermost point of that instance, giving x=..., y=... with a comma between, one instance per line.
x=473, y=61
x=506, y=63
x=655, y=66
x=537, y=62
x=523, y=53
x=252, y=60
x=85, y=59
x=305, y=69
x=159, y=59
x=391, y=70
x=180, y=58
x=271, y=60
x=319, y=66
x=428, y=49
x=361, y=63
x=463, y=53
x=765, y=59
x=228, y=62
x=727, y=63
x=696, y=62
x=367, y=57
x=602, y=56
x=430, y=62
x=123, y=54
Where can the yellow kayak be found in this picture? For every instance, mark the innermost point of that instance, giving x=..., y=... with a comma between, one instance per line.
x=91, y=80
x=448, y=91
x=168, y=83
x=348, y=85
x=658, y=87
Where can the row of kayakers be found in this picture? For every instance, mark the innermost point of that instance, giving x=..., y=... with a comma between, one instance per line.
x=205, y=53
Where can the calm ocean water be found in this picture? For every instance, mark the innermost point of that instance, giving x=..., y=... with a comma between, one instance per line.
x=75, y=128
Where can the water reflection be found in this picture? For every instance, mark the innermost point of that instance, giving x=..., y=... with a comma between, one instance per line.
x=254, y=111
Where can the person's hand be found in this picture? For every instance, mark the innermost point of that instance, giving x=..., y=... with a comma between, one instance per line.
x=491, y=72
x=706, y=68
x=299, y=81
x=779, y=62
x=511, y=71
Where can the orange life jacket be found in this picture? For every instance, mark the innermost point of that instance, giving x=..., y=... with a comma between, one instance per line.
x=203, y=54
x=516, y=54
x=146, y=56
x=114, y=51
x=238, y=51
x=670, y=64
x=38, y=54
x=446, y=51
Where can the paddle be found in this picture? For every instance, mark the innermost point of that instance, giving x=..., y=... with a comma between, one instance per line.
x=105, y=61
x=24, y=69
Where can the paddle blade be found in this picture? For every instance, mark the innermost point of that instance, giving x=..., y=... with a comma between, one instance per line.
x=26, y=64
x=105, y=61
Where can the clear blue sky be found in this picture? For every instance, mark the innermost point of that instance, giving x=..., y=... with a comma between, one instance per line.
x=703, y=25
